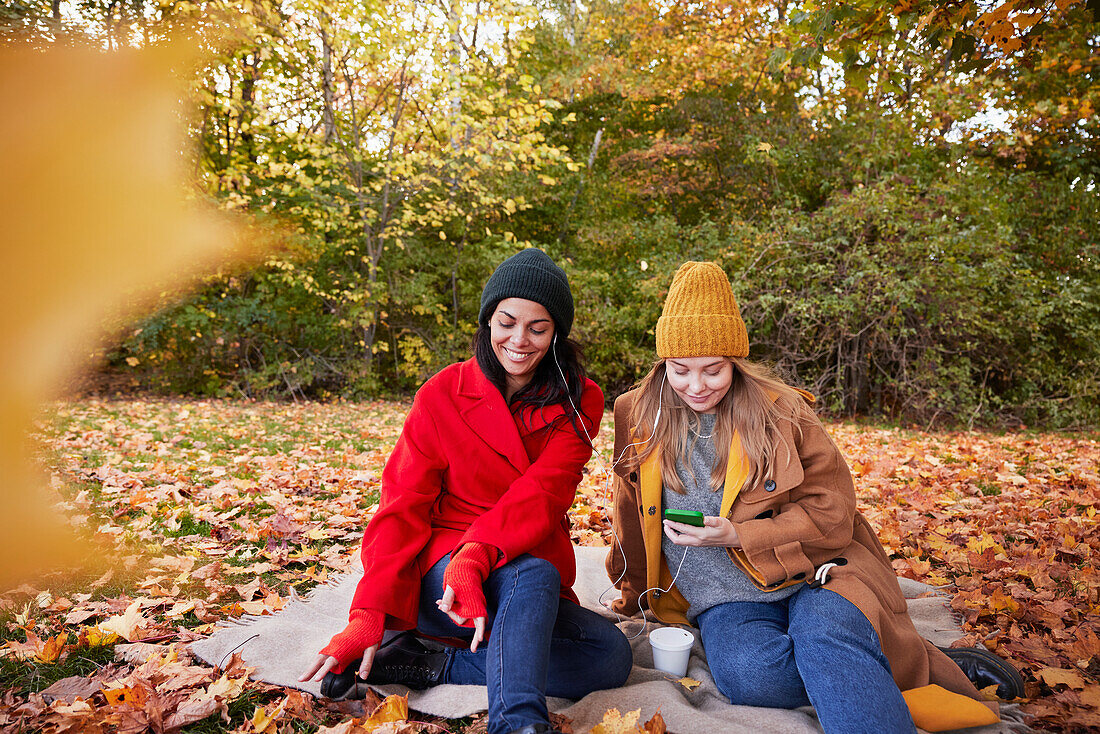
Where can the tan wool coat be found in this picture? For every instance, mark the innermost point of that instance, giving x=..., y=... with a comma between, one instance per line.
x=787, y=529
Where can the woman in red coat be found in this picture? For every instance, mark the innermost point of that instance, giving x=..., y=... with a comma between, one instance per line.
x=471, y=536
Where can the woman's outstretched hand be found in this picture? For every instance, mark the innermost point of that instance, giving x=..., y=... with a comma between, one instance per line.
x=361, y=637
x=324, y=664
x=716, y=531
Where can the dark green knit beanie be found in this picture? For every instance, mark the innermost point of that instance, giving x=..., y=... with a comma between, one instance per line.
x=531, y=275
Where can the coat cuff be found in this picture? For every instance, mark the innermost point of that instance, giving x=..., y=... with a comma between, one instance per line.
x=776, y=564
x=796, y=565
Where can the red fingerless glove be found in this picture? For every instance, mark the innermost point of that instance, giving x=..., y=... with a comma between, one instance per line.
x=466, y=574
x=365, y=628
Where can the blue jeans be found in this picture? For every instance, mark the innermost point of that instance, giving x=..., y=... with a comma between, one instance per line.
x=539, y=644
x=814, y=647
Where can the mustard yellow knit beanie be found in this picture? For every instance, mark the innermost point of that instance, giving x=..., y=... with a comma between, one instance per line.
x=701, y=317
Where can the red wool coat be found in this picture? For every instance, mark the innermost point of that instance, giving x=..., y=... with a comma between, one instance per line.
x=465, y=470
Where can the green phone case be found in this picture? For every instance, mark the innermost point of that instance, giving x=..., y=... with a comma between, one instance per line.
x=687, y=517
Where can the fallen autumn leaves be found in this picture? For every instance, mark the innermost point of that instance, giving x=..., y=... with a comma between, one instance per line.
x=213, y=509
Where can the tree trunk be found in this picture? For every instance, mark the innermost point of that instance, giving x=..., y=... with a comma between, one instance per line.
x=580, y=184
x=249, y=76
x=327, y=79
x=454, y=62
x=374, y=237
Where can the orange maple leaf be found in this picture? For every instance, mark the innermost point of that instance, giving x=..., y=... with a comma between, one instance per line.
x=52, y=648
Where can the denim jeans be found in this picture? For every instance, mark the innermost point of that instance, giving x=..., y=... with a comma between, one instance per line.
x=539, y=644
x=814, y=647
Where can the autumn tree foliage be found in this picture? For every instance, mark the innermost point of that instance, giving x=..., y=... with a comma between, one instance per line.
x=904, y=194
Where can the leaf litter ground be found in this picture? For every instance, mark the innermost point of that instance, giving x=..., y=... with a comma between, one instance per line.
x=202, y=511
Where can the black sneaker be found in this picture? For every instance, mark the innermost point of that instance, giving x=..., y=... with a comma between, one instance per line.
x=405, y=659
x=985, y=669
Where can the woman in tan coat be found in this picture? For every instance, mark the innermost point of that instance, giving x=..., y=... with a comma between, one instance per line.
x=795, y=600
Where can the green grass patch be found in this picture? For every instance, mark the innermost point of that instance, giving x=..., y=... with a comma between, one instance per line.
x=987, y=489
x=28, y=676
x=191, y=525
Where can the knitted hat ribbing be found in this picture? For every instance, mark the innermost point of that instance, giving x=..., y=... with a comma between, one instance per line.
x=701, y=317
x=532, y=275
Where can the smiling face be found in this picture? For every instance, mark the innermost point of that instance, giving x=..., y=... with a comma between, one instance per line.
x=521, y=333
x=701, y=382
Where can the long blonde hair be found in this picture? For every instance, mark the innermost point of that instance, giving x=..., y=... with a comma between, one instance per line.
x=750, y=408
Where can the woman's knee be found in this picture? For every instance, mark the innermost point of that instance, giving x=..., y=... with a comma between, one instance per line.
x=609, y=655
x=593, y=643
x=525, y=577
x=756, y=684
x=535, y=570
x=750, y=655
x=615, y=654
x=834, y=628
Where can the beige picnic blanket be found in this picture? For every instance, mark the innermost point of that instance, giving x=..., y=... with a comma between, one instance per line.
x=281, y=646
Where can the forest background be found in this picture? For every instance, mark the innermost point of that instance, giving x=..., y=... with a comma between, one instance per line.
x=903, y=193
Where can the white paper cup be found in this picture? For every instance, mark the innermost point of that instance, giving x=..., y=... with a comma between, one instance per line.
x=671, y=649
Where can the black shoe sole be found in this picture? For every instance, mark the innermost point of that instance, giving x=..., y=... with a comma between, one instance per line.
x=1013, y=681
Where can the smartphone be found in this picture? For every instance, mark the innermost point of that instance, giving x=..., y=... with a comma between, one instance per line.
x=688, y=517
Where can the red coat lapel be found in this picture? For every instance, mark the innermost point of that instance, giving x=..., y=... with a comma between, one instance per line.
x=485, y=412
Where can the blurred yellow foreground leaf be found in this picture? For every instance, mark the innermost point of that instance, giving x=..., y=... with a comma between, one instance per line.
x=96, y=219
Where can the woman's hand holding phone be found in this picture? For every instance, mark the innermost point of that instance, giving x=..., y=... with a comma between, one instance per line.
x=715, y=532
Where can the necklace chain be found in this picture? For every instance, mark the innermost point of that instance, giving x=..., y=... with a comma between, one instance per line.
x=698, y=435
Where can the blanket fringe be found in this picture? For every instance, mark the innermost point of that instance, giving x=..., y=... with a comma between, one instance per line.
x=214, y=655
x=1014, y=717
x=293, y=600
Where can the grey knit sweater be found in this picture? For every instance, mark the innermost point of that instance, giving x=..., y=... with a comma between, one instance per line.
x=708, y=576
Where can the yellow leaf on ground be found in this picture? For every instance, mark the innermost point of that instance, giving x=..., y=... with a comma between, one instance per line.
x=255, y=608
x=616, y=723
x=398, y=727
x=226, y=687
x=180, y=608
x=919, y=566
x=989, y=693
x=393, y=708
x=95, y=637
x=984, y=542
x=689, y=683
x=127, y=625
x=348, y=726
x=263, y=722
